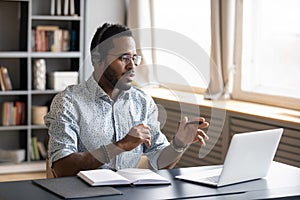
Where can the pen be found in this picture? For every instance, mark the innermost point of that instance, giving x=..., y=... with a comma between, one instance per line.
x=191, y=122
x=194, y=122
x=112, y=169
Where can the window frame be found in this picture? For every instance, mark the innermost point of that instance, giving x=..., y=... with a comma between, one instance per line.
x=238, y=93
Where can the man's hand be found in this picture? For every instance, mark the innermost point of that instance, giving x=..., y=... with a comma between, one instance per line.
x=137, y=135
x=190, y=132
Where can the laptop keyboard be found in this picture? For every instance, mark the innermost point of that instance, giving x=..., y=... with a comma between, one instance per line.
x=213, y=179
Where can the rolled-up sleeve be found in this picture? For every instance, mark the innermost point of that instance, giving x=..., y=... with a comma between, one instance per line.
x=158, y=140
x=62, y=128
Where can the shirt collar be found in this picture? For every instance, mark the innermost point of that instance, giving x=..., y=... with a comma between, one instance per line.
x=94, y=87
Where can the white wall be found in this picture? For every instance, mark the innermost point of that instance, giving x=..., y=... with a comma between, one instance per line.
x=97, y=12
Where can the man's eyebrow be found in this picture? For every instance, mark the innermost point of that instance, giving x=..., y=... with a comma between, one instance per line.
x=128, y=54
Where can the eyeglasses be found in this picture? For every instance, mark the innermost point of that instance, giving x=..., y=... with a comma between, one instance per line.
x=127, y=58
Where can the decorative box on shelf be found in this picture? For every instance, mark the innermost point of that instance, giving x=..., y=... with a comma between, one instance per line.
x=59, y=80
x=13, y=156
x=37, y=114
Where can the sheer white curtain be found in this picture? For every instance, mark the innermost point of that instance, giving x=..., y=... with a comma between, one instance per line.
x=139, y=19
x=222, y=49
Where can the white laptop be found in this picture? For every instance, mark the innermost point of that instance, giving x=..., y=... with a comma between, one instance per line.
x=248, y=158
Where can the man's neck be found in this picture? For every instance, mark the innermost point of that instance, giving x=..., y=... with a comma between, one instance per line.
x=112, y=92
x=106, y=86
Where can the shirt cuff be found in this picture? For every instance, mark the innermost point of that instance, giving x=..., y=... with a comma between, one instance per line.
x=58, y=155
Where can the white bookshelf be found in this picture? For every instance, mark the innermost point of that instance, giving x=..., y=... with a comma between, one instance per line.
x=17, y=55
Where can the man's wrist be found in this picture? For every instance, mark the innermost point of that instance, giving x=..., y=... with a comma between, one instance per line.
x=113, y=150
x=178, y=146
x=106, y=154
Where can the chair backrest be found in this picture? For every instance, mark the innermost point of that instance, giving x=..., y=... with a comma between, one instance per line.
x=144, y=163
x=49, y=170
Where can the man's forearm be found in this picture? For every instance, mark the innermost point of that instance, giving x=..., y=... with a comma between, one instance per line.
x=171, y=154
x=107, y=152
x=168, y=158
x=75, y=162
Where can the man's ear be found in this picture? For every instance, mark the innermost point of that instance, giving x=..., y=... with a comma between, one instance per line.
x=96, y=57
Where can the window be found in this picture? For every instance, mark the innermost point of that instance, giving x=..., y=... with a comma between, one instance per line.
x=190, y=21
x=269, y=66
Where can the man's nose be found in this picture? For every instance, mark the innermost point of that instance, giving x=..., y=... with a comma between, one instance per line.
x=131, y=64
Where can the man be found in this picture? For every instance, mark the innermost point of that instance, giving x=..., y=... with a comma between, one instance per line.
x=104, y=122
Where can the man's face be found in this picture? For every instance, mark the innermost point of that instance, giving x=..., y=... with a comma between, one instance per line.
x=118, y=73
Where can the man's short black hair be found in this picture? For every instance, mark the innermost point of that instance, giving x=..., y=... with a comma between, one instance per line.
x=106, y=33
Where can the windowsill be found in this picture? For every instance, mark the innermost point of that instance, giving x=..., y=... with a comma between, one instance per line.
x=254, y=109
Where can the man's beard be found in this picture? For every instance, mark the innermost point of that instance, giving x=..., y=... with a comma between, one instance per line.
x=122, y=86
x=112, y=77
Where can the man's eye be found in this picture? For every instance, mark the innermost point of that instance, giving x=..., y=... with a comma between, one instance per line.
x=125, y=58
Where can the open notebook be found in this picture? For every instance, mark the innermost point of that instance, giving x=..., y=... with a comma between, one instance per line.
x=248, y=158
x=135, y=176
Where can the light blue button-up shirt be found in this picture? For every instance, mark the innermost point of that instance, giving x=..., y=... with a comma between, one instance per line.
x=83, y=117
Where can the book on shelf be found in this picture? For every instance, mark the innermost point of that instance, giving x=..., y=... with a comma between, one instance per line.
x=38, y=149
x=65, y=40
x=73, y=40
x=46, y=28
x=52, y=7
x=5, y=80
x=6, y=112
x=20, y=112
x=66, y=7
x=44, y=38
x=72, y=8
x=2, y=82
x=134, y=176
x=33, y=47
x=42, y=149
x=35, y=150
x=12, y=113
x=58, y=7
x=51, y=38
